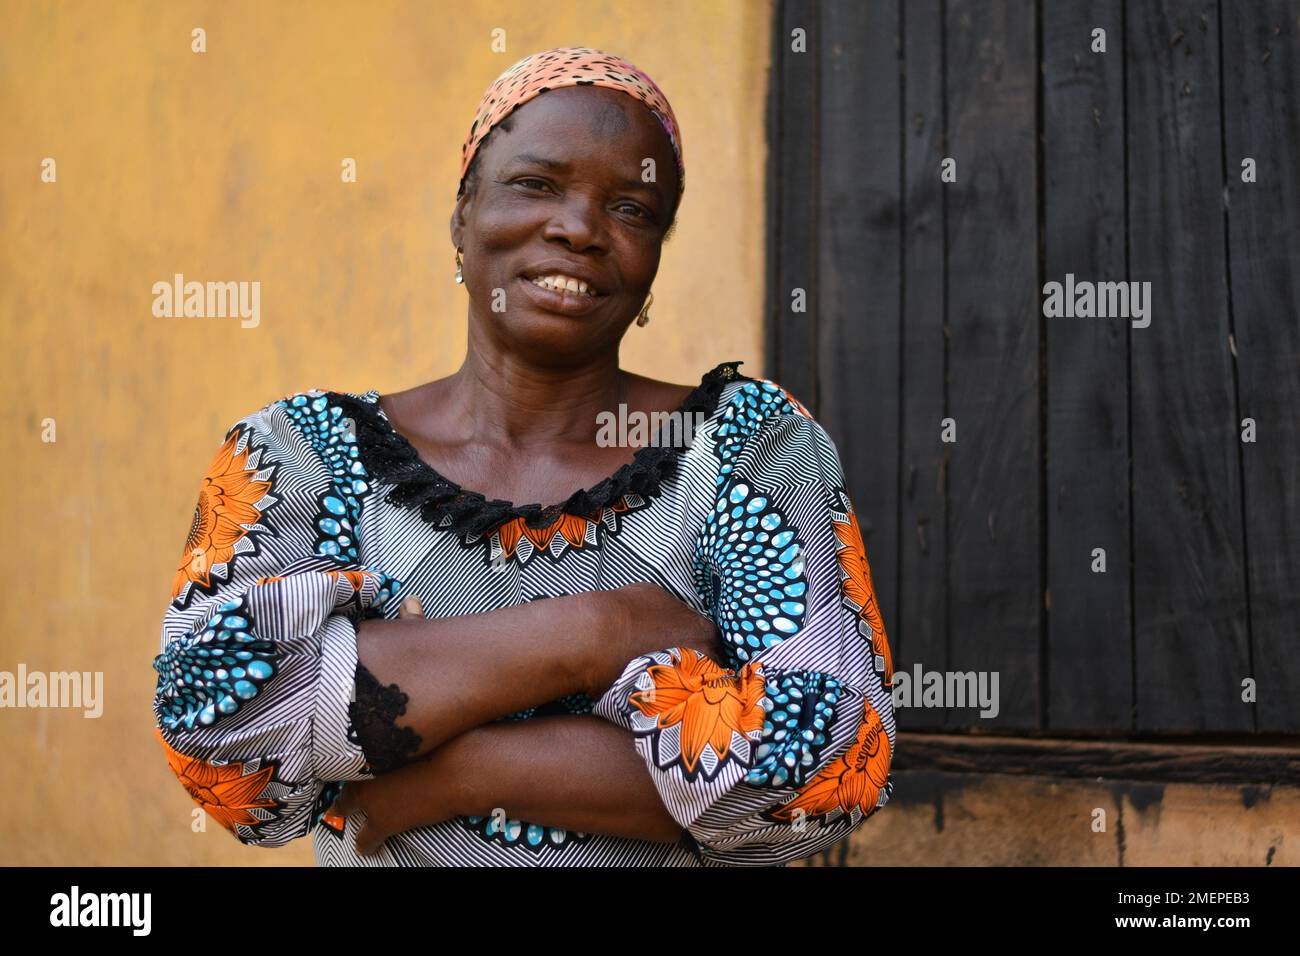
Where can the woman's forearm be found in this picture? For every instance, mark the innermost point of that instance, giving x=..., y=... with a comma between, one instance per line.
x=460, y=672
x=577, y=772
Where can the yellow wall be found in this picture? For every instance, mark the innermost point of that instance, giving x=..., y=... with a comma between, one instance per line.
x=225, y=166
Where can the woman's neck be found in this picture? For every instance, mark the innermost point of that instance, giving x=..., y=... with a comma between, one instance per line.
x=502, y=400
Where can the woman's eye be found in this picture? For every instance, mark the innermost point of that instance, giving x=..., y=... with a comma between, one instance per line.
x=531, y=182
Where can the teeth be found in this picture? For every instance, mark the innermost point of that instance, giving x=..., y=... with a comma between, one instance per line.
x=563, y=283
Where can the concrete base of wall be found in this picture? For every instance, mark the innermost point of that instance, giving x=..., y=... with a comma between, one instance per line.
x=940, y=818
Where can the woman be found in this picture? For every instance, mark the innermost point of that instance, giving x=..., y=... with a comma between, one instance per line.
x=357, y=645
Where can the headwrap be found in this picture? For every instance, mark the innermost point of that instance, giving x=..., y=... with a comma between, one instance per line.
x=567, y=66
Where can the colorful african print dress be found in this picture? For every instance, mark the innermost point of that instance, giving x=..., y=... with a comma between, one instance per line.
x=316, y=513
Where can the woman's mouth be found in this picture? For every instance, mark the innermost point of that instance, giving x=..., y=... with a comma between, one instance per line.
x=566, y=295
x=558, y=282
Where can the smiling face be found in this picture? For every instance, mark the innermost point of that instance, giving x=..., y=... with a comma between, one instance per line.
x=558, y=189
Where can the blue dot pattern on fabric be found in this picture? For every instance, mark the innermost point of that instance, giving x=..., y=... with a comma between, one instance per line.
x=520, y=833
x=752, y=404
x=388, y=586
x=214, y=670
x=802, y=706
x=578, y=703
x=334, y=437
x=751, y=566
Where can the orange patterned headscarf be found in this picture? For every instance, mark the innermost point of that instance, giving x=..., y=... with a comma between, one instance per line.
x=567, y=66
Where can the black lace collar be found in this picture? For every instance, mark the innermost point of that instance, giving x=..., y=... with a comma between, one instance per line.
x=387, y=455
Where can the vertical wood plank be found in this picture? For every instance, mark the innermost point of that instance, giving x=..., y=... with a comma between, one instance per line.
x=1189, y=592
x=994, y=317
x=1089, y=634
x=858, y=269
x=1261, y=111
x=922, y=622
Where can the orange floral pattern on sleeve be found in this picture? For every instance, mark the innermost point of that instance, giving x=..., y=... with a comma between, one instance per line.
x=709, y=703
x=227, y=502
x=225, y=792
x=859, y=588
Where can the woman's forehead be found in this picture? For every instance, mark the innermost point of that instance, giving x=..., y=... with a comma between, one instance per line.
x=603, y=118
x=599, y=109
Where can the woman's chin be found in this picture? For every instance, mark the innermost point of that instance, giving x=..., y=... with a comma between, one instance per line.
x=545, y=338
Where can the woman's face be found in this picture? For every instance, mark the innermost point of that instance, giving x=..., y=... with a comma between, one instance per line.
x=562, y=192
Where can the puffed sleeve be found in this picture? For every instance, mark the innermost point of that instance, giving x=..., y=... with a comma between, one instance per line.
x=258, y=654
x=787, y=750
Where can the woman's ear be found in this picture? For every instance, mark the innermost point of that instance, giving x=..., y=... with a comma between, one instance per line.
x=458, y=222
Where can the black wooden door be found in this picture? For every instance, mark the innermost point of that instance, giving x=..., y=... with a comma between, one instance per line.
x=906, y=310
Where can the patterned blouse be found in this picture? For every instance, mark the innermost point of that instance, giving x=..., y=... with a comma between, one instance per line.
x=317, y=513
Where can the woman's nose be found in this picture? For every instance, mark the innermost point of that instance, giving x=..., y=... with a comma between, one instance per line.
x=577, y=222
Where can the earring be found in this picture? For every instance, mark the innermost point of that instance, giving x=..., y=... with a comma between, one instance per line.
x=643, y=318
x=460, y=272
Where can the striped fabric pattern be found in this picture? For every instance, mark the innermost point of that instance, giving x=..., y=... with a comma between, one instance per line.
x=771, y=756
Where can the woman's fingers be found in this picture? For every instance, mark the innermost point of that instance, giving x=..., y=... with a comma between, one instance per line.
x=368, y=836
x=346, y=802
x=368, y=839
x=351, y=799
x=411, y=607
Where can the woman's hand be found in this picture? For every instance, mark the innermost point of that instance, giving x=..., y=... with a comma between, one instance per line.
x=415, y=795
